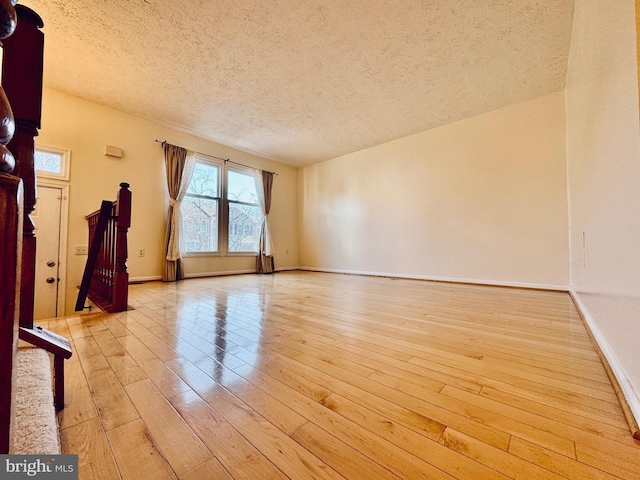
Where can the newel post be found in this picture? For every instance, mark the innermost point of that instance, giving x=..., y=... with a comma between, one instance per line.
x=22, y=65
x=121, y=275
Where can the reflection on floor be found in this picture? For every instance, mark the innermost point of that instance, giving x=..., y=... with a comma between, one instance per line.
x=314, y=375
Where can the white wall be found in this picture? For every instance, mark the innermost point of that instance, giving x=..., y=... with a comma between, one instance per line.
x=85, y=128
x=603, y=158
x=483, y=199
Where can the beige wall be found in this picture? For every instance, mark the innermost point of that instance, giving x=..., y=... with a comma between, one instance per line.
x=603, y=145
x=483, y=199
x=85, y=128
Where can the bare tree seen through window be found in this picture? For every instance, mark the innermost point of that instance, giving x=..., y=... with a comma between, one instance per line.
x=200, y=209
x=245, y=215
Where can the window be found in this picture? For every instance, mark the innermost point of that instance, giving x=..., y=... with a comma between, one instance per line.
x=245, y=214
x=52, y=162
x=200, y=209
x=204, y=221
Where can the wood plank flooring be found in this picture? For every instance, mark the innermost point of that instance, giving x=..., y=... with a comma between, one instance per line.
x=307, y=375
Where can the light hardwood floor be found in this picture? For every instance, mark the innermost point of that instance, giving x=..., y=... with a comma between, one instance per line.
x=312, y=375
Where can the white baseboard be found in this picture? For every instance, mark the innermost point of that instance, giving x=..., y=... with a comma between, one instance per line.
x=287, y=269
x=153, y=278
x=472, y=281
x=632, y=396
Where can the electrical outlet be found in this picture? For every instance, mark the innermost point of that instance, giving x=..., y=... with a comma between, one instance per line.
x=141, y=252
x=82, y=250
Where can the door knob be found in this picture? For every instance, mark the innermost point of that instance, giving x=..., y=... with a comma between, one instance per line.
x=51, y=280
x=51, y=263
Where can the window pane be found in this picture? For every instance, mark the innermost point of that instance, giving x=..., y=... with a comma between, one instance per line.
x=204, y=180
x=241, y=188
x=199, y=224
x=48, y=162
x=245, y=222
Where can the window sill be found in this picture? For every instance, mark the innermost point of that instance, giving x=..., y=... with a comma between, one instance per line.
x=201, y=254
x=218, y=254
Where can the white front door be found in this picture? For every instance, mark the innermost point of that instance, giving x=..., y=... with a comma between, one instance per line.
x=47, y=219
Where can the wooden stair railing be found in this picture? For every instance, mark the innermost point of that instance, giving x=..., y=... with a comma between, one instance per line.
x=22, y=67
x=10, y=254
x=106, y=280
x=20, y=113
x=11, y=224
x=22, y=83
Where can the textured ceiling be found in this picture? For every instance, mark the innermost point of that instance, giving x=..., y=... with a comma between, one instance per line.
x=301, y=81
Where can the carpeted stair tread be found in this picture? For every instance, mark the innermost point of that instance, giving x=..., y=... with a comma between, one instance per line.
x=36, y=425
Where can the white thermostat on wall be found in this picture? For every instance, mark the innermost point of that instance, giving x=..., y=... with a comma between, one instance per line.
x=113, y=151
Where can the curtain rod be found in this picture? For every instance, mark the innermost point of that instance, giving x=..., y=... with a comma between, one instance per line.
x=162, y=142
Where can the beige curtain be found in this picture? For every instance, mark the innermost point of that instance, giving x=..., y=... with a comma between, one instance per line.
x=179, y=164
x=264, y=184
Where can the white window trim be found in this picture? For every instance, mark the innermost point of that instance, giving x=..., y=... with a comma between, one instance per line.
x=244, y=171
x=223, y=213
x=208, y=161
